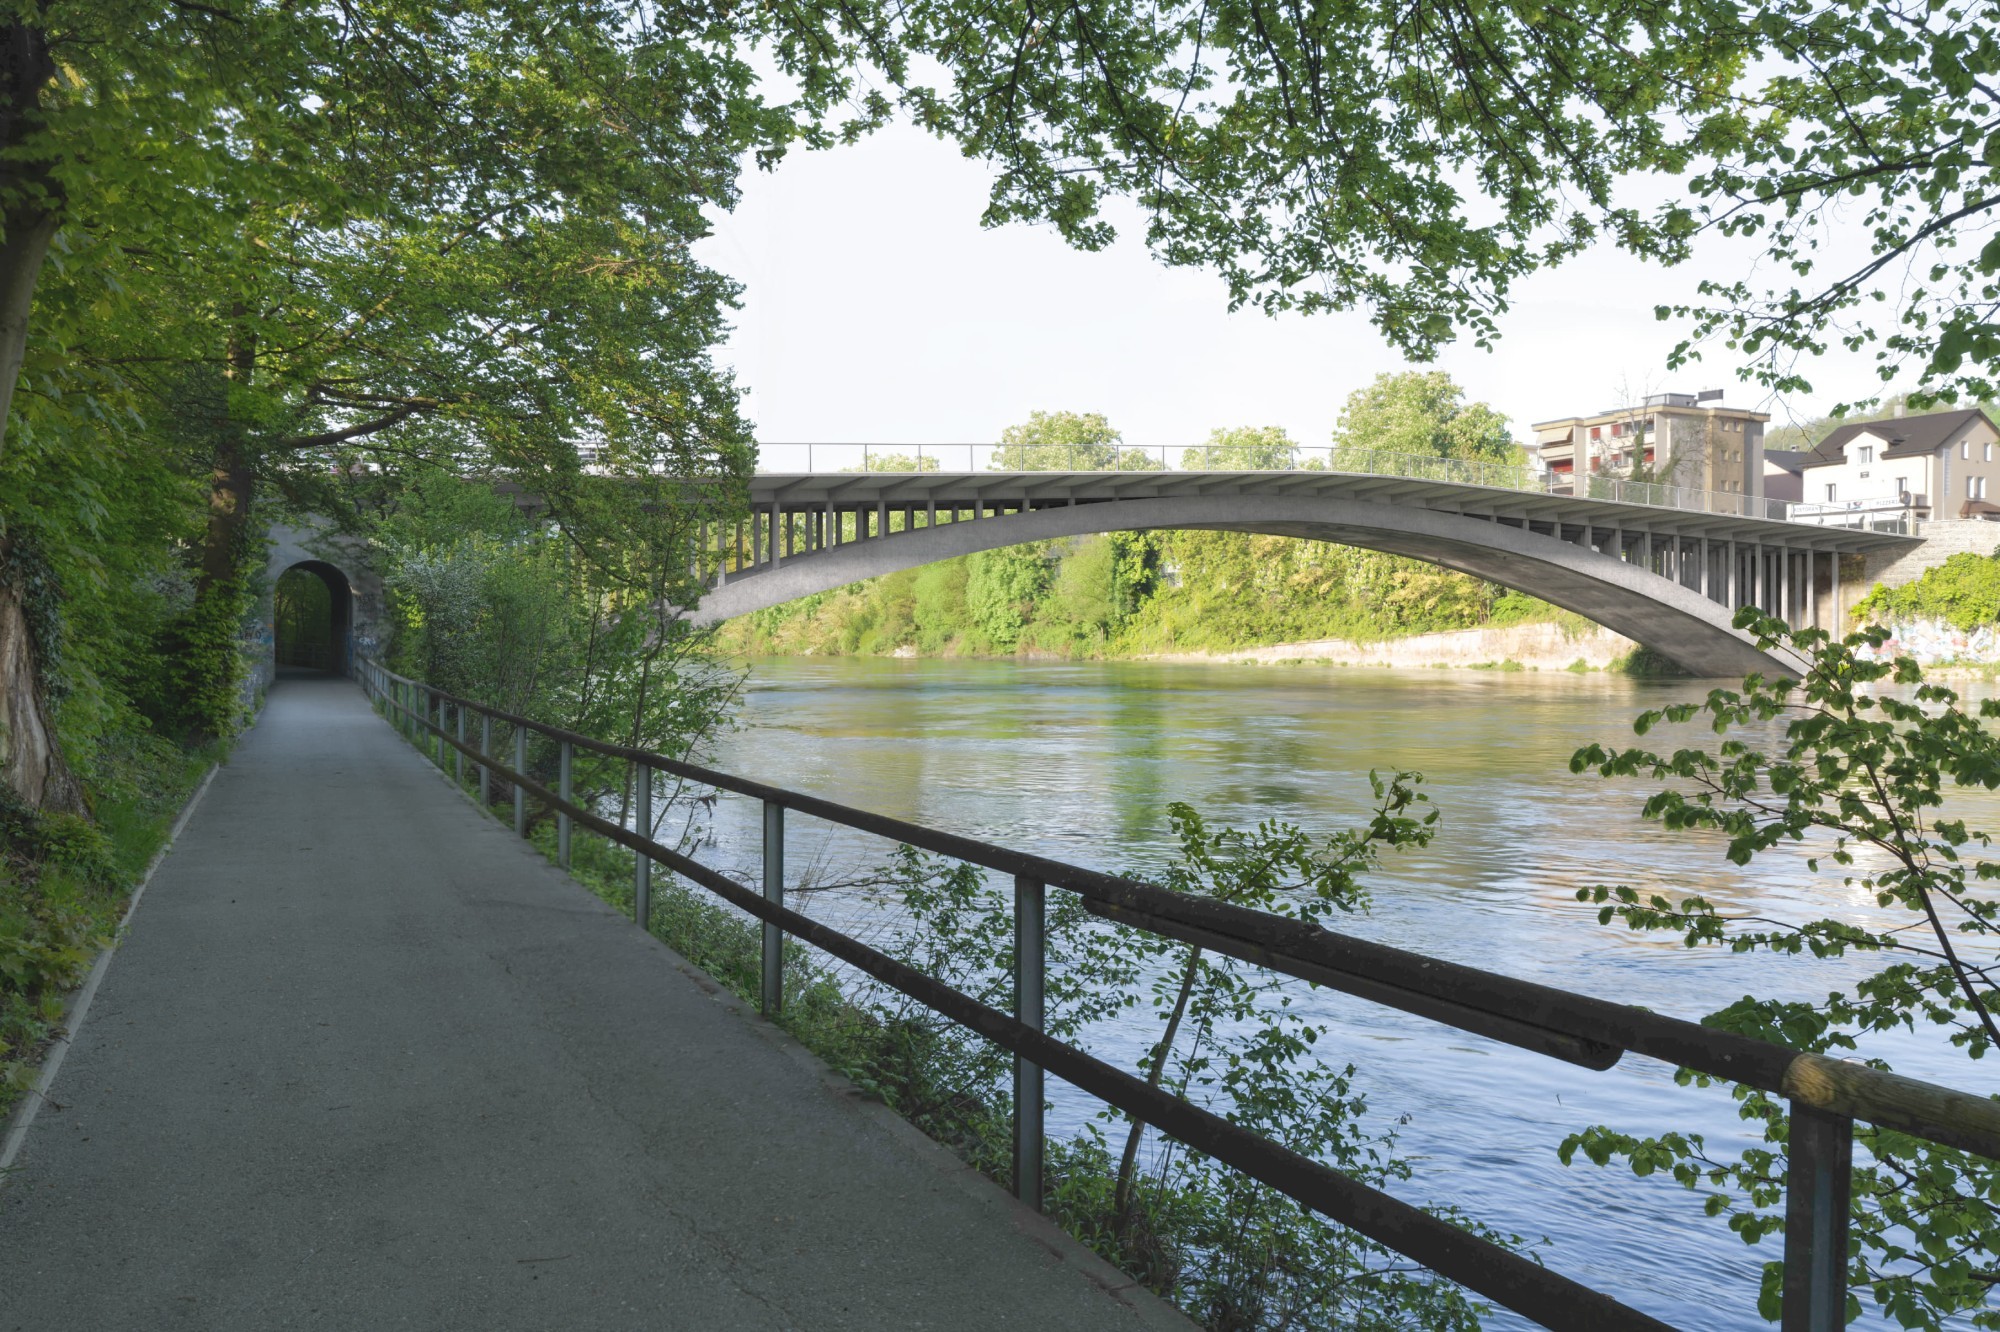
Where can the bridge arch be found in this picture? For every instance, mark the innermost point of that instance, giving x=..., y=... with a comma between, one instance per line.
x=1625, y=597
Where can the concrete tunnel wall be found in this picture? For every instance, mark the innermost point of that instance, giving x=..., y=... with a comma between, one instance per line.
x=330, y=555
x=1644, y=606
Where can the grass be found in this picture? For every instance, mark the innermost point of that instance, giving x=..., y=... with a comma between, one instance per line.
x=64, y=884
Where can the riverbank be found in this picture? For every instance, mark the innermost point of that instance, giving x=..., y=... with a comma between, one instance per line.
x=1538, y=647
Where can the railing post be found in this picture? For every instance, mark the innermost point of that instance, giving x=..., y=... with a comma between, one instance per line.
x=563, y=759
x=458, y=755
x=1028, y=1099
x=520, y=767
x=642, y=823
x=772, y=995
x=1817, y=1183
x=485, y=768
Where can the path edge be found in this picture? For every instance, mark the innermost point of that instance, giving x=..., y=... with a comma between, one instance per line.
x=64, y=1036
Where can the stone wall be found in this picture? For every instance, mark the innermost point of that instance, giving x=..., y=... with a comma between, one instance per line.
x=1935, y=642
x=315, y=542
x=1859, y=574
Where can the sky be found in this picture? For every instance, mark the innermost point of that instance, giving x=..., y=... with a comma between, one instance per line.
x=877, y=310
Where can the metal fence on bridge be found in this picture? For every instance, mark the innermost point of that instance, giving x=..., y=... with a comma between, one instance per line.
x=1825, y=1096
x=1084, y=458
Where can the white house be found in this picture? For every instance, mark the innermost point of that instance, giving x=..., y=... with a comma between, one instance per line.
x=1942, y=465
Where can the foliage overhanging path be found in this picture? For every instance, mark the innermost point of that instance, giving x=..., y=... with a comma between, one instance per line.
x=371, y=1033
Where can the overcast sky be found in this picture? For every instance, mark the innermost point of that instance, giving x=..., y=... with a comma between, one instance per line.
x=877, y=310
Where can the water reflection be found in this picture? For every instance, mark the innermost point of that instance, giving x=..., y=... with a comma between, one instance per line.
x=1078, y=762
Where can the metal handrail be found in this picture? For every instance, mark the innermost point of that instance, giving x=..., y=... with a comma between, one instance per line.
x=1126, y=458
x=1826, y=1095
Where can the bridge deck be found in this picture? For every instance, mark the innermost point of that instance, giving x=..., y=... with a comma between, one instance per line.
x=368, y=1061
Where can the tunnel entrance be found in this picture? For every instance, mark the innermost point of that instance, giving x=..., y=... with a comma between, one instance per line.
x=312, y=619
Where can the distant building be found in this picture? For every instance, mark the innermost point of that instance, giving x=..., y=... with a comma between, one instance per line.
x=1683, y=439
x=1941, y=465
x=1784, y=474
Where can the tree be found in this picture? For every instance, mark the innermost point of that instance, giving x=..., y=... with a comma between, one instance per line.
x=1058, y=442
x=298, y=241
x=1417, y=163
x=1243, y=449
x=1420, y=414
x=1861, y=776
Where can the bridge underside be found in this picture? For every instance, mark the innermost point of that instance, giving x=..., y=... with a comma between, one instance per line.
x=1675, y=593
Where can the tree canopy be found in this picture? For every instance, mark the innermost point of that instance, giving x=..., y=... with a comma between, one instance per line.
x=1058, y=442
x=1243, y=449
x=1420, y=414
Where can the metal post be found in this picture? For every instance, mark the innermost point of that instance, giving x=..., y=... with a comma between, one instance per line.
x=458, y=755
x=1838, y=624
x=1028, y=1099
x=1818, y=1178
x=521, y=767
x=485, y=769
x=562, y=815
x=773, y=992
x=642, y=823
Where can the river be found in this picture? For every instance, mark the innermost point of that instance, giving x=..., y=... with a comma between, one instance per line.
x=1078, y=762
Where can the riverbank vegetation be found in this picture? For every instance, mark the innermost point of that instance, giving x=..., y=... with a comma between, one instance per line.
x=1130, y=594
x=1964, y=592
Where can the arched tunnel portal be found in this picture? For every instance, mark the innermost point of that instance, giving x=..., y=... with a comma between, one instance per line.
x=312, y=618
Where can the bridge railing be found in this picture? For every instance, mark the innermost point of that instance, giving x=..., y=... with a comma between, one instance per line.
x=1825, y=1096
x=1089, y=458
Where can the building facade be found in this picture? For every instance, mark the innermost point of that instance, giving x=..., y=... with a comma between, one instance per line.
x=1940, y=466
x=1681, y=439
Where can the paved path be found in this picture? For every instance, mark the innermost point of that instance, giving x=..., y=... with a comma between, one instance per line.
x=368, y=1062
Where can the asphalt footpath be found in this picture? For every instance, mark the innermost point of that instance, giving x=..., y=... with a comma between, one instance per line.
x=366, y=1061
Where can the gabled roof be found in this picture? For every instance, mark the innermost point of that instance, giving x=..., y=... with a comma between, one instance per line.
x=1788, y=461
x=1907, y=436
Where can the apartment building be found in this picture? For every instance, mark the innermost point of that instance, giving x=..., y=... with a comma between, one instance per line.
x=1940, y=465
x=1684, y=439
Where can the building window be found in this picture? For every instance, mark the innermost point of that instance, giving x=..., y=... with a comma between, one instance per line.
x=1866, y=454
x=1975, y=487
x=1829, y=492
x=1989, y=454
x=1965, y=448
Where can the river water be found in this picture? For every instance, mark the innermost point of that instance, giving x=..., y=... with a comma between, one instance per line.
x=1078, y=762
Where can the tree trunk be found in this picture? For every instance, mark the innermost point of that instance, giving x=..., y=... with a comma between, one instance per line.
x=31, y=762
x=31, y=197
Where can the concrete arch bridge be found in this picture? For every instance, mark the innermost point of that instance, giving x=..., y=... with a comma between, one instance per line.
x=1668, y=577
